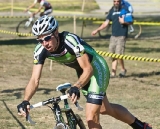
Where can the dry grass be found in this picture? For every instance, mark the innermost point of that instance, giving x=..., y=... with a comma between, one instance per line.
x=139, y=91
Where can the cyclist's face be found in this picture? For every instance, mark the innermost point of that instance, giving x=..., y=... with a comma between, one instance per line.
x=48, y=41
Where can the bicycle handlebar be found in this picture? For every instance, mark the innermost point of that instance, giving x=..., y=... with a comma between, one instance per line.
x=53, y=100
x=49, y=101
x=29, y=12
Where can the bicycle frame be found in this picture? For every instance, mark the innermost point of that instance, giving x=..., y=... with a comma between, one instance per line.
x=72, y=120
x=24, y=27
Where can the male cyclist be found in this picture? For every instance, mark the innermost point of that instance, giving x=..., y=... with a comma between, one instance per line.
x=43, y=4
x=92, y=70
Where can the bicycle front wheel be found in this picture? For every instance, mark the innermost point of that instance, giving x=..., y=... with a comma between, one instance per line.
x=81, y=123
x=60, y=126
x=24, y=27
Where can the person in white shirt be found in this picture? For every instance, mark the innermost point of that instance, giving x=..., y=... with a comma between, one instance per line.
x=43, y=4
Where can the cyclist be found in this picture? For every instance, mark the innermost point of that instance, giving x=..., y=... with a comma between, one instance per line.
x=92, y=70
x=43, y=3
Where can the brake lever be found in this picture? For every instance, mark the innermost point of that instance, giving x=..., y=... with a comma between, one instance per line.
x=78, y=106
x=28, y=118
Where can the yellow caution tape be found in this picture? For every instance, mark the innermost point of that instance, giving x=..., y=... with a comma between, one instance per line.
x=60, y=17
x=15, y=33
x=135, y=23
x=102, y=53
x=127, y=57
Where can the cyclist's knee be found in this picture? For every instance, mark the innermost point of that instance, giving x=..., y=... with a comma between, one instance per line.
x=41, y=14
x=92, y=112
x=112, y=109
x=103, y=112
x=91, y=117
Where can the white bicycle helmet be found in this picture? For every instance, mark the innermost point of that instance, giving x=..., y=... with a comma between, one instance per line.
x=44, y=25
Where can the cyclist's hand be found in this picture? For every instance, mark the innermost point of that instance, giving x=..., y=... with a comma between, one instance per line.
x=33, y=14
x=25, y=10
x=23, y=108
x=74, y=93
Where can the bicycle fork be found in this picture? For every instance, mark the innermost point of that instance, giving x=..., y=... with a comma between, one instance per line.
x=60, y=123
x=28, y=22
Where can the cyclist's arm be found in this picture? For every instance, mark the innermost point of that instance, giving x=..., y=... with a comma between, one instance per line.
x=34, y=82
x=31, y=6
x=39, y=9
x=87, y=71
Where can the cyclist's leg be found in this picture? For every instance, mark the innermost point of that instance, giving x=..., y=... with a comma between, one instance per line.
x=97, y=101
x=92, y=116
x=47, y=11
x=117, y=111
x=95, y=91
x=121, y=113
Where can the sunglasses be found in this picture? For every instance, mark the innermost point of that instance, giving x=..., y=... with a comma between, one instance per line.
x=46, y=38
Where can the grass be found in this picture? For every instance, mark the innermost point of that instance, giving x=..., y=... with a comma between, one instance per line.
x=139, y=91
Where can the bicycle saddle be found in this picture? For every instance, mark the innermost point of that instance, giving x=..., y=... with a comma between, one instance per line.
x=64, y=87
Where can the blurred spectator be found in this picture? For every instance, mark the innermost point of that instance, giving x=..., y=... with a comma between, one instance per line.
x=118, y=37
x=43, y=4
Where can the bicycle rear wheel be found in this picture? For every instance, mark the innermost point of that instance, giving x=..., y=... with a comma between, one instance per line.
x=82, y=126
x=24, y=27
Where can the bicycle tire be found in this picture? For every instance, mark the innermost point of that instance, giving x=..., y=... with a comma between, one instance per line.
x=61, y=126
x=80, y=121
x=21, y=28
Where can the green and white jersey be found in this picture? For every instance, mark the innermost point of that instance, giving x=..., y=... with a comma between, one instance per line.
x=72, y=47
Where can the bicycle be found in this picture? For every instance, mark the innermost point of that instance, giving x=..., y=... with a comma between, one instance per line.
x=73, y=120
x=24, y=27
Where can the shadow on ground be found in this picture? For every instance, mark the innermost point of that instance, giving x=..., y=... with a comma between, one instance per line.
x=18, y=92
x=14, y=117
x=18, y=42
